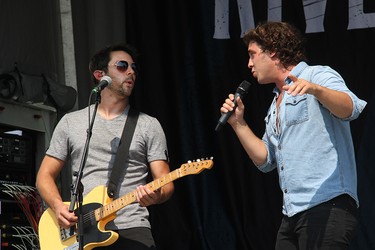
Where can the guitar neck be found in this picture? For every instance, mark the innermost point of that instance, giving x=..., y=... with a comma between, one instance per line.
x=131, y=197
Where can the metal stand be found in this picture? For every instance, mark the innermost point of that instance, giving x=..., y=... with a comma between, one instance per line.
x=77, y=187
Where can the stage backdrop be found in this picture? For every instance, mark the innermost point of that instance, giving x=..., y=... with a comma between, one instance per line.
x=191, y=58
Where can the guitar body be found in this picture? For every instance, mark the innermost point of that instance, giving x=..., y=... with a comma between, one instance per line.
x=98, y=210
x=52, y=236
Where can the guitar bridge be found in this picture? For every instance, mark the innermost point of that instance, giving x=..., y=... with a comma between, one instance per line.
x=67, y=233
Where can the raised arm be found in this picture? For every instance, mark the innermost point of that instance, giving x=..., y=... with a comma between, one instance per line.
x=254, y=146
x=337, y=102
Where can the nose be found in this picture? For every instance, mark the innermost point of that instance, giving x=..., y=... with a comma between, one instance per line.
x=130, y=71
x=250, y=64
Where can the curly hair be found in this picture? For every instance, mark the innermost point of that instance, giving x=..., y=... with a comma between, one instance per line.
x=100, y=60
x=281, y=38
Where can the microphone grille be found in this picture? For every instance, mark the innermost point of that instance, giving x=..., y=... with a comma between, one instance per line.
x=244, y=87
x=107, y=79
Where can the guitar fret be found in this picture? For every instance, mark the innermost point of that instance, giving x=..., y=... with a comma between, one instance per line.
x=179, y=172
x=185, y=169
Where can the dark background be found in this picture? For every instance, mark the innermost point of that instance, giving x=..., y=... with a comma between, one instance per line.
x=185, y=77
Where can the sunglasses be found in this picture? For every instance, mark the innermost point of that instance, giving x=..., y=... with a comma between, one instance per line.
x=122, y=66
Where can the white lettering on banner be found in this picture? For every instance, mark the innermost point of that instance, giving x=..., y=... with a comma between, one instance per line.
x=245, y=10
x=222, y=19
x=314, y=14
x=274, y=10
x=358, y=19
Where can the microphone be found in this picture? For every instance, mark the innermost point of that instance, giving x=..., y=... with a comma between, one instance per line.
x=240, y=92
x=104, y=82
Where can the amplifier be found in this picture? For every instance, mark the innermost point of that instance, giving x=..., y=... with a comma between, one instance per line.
x=16, y=152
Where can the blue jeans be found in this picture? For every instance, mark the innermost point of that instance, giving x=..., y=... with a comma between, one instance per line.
x=328, y=226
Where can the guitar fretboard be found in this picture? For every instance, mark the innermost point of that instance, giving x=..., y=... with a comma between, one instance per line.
x=129, y=198
x=123, y=201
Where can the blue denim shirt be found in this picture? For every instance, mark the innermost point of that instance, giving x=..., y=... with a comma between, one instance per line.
x=312, y=149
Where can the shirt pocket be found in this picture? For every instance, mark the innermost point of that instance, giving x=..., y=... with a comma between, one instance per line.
x=296, y=110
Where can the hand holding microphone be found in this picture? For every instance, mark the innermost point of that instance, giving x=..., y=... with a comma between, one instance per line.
x=240, y=92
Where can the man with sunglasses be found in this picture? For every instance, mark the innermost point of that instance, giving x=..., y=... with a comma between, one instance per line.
x=307, y=139
x=147, y=152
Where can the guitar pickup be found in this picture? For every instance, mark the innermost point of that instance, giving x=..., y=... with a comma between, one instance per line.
x=75, y=246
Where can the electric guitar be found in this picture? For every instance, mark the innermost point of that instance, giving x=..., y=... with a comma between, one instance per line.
x=98, y=209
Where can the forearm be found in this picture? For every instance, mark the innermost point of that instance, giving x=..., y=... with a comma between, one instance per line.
x=166, y=192
x=254, y=147
x=48, y=191
x=338, y=103
x=45, y=181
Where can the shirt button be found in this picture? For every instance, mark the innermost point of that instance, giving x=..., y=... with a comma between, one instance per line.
x=285, y=190
x=279, y=147
x=282, y=168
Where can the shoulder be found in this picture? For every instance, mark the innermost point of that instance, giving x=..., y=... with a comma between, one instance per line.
x=74, y=117
x=321, y=71
x=322, y=75
x=147, y=120
x=78, y=114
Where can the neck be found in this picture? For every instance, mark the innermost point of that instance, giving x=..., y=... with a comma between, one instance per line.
x=283, y=74
x=111, y=107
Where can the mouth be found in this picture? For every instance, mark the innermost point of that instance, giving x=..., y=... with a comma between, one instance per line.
x=129, y=81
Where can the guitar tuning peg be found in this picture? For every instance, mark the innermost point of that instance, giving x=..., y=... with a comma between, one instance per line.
x=189, y=161
x=198, y=160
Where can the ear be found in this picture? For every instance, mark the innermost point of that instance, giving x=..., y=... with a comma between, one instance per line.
x=98, y=74
x=272, y=54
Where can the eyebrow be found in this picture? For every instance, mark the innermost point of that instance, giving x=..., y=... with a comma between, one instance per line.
x=251, y=51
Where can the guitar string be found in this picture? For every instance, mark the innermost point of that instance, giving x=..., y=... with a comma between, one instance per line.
x=87, y=217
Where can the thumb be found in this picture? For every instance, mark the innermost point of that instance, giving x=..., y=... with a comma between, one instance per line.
x=239, y=103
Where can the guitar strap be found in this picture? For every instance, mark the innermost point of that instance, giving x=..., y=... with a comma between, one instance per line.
x=122, y=151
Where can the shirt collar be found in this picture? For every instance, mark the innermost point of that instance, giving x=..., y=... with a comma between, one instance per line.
x=296, y=71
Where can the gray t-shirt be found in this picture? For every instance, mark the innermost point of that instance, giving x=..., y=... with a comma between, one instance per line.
x=148, y=144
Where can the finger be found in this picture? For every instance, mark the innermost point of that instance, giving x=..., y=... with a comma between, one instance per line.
x=300, y=89
x=295, y=91
x=303, y=90
x=230, y=102
x=146, y=200
x=143, y=194
x=227, y=107
x=138, y=194
x=239, y=103
x=293, y=78
x=286, y=87
x=65, y=223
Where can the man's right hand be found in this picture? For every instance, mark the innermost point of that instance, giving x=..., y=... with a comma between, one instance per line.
x=65, y=218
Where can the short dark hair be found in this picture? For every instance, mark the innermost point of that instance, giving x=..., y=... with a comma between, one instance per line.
x=281, y=38
x=100, y=60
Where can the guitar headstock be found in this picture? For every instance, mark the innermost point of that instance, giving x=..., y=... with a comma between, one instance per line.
x=195, y=167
